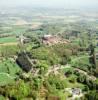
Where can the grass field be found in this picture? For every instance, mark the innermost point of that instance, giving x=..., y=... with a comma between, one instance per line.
x=8, y=39
x=17, y=31
x=7, y=64
x=4, y=80
x=2, y=98
x=8, y=70
x=7, y=50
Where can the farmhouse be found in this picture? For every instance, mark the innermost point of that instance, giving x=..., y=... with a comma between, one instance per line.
x=52, y=39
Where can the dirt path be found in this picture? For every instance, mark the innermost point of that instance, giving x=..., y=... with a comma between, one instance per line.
x=81, y=71
x=57, y=68
x=85, y=73
x=69, y=66
x=78, y=58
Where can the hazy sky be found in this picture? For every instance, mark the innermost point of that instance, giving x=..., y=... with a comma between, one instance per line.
x=52, y=3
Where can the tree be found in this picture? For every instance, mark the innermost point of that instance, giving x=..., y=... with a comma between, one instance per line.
x=72, y=79
x=92, y=95
x=81, y=78
x=18, y=91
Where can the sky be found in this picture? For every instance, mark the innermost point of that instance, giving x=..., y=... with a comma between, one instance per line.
x=51, y=3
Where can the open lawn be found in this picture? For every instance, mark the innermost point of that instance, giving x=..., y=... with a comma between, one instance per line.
x=8, y=49
x=8, y=39
x=4, y=80
x=8, y=70
x=8, y=66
